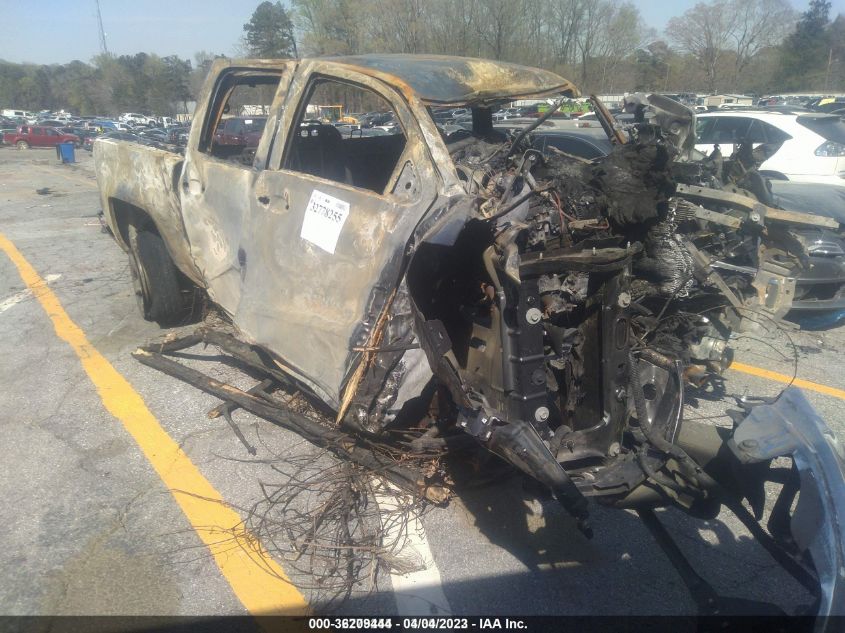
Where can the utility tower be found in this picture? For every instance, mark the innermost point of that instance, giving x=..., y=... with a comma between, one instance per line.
x=103, y=47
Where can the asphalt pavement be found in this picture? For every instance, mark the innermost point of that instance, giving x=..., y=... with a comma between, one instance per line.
x=94, y=520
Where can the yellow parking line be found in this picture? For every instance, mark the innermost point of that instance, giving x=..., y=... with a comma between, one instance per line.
x=257, y=580
x=798, y=382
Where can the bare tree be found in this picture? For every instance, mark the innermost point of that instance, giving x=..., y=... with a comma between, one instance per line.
x=397, y=26
x=622, y=33
x=452, y=25
x=537, y=27
x=594, y=17
x=567, y=18
x=330, y=27
x=499, y=22
x=602, y=43
x=757, y=24
x=705, y=32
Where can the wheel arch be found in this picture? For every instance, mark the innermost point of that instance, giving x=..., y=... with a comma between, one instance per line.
x=125, y=214
x=121, y=214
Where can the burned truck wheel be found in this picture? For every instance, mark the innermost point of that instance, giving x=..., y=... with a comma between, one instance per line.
x=155, y=278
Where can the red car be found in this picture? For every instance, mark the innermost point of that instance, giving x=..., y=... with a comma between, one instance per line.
x=237, y=135
x=38, y=136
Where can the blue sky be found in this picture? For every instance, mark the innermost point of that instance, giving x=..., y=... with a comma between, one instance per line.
x=58, y=31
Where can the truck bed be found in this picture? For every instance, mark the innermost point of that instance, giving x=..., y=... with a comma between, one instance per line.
x=134, y=177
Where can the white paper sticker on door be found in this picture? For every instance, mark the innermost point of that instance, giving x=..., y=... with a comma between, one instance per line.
x=324, y=219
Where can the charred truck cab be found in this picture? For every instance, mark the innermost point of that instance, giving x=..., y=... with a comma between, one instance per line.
x=550, y=307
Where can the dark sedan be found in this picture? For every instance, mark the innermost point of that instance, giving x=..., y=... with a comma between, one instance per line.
x=178, y=135
x=119, y=136
x=583, y=143
x=587, y=143
x=822, y=285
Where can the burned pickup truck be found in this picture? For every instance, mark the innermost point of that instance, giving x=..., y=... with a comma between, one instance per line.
x=549, y=309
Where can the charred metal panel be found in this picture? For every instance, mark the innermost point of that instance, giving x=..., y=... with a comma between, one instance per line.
x=216, y=195
x=145, y=177
x=448, y=80
x=313, y=308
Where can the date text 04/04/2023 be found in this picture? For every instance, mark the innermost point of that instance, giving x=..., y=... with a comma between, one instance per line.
x=416, y=623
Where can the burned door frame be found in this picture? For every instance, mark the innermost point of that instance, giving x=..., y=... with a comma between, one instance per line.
x=215, y=192
x=330, y=303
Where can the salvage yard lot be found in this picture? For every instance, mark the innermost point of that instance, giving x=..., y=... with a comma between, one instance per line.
x=93, y=528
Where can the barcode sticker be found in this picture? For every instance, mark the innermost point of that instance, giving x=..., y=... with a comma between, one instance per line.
x=324, y=219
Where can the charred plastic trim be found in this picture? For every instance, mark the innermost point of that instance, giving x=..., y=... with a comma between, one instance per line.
x=791, y=427
x=519, y=444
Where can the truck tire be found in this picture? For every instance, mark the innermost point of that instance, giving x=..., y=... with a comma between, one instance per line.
x=22, y=145
x=155, y=278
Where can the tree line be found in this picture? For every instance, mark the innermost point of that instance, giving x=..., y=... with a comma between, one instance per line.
x=759, y=46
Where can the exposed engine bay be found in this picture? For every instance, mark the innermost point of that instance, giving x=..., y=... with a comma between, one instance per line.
x=568, y=313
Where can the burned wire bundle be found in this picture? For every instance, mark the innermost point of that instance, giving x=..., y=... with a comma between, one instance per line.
x=338, y=526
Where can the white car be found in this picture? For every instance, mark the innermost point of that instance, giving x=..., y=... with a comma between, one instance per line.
x=810, y=146
x=134, y=119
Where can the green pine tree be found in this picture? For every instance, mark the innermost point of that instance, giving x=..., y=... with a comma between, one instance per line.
x=269, y=32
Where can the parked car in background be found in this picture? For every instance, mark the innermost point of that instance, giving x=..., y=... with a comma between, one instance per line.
x=805, y=147
x=379, y=119
x=536, y=110
x=88, y=140
x=155, y=134
x=827, y=104
x=821, y=288
x=51, y=122
x=134, y=118
x=21, y=114
x=27, y=136
x=373, y=131
x=587, y=143
x=464, y=121
x=510, y=112
x=102, y=124
x=7, y=126
x=349, y=130
x=178, y=135
x=120, y=136
x=441, y=116
x=619, y=115
x=237, y=134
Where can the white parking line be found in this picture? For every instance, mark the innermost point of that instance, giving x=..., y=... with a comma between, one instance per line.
x=16, y=298
x=420, y=592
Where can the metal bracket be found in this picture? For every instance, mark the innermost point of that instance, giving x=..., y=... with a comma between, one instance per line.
x=477, y=423
x=703, y=261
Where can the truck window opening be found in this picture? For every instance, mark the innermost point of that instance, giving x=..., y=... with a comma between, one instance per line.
x=236, y=118
x=345, y=133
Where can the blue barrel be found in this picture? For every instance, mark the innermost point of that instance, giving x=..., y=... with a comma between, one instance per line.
x=66, y=152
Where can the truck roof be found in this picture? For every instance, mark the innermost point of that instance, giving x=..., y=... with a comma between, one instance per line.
x=450, y=80
x=447, y=80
